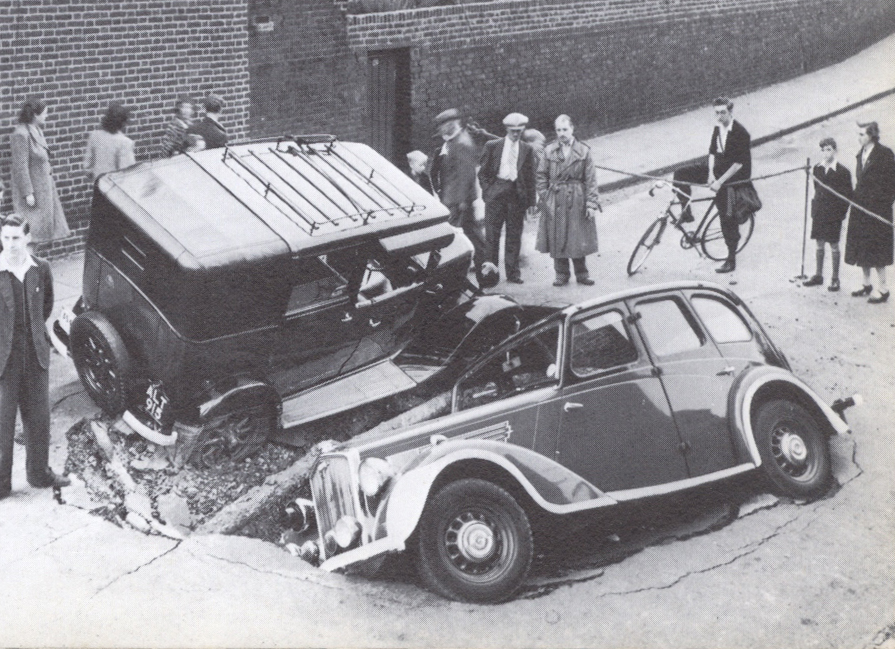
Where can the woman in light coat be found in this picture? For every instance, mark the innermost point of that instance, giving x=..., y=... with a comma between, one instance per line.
x=567, y=189
x=108, y=148
x=34, y=195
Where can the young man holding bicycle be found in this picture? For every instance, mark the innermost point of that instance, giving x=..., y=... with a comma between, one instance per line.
x=729, y=161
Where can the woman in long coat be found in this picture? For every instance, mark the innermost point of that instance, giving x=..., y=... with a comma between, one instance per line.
x=567, y=188
x=34, y=195
x=869, y=240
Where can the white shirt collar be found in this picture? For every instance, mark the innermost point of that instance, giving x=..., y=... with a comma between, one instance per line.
x=18, y=271
x=828, y=166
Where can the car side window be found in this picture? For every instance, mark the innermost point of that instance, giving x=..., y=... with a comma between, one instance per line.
x=723, y=323
x=601, y=342
x=527, y=365
x=667, y=328
x=314, y=283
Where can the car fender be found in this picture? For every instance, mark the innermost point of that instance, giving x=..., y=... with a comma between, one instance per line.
x=246, y=393
x=744, y=394
x=551, y=486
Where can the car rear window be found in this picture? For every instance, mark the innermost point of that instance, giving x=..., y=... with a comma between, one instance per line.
x=723, y=323
x=667, y=328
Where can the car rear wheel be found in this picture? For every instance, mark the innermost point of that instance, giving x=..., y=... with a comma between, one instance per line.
x=234, y=436
x=102, y=361
x=794, y=453
x=475, y=542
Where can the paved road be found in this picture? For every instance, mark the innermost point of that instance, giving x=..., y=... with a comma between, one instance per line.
x=777, y=575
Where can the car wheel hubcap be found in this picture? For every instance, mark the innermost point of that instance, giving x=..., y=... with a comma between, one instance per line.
x=476, y=541
x=473, y=543
x=790, y=452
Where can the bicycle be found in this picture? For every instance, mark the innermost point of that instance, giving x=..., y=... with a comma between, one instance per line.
x=706, y=239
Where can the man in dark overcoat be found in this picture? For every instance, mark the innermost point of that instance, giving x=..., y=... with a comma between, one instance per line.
x=507, y=175
x=454, y=177
x=567, y=186
x=26, y=300
x=868, y=242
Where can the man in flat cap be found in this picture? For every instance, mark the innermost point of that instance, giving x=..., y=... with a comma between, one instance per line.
x=507, y=175
x=453, y=175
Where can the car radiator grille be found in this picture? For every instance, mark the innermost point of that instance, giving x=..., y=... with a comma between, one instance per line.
x=333, y=489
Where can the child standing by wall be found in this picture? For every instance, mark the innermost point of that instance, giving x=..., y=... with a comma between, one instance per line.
x=828, y=210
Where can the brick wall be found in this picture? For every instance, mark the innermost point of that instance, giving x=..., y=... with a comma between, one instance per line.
x=304, y=77
x=611, y=63
x=79, y=55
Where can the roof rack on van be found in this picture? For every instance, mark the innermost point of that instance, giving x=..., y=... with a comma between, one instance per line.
x=313, y=180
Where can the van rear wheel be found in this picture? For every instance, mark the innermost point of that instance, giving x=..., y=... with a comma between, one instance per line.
x=234, y=436
x=102, y=361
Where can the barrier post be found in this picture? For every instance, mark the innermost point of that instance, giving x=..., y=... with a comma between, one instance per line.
x=802, y=274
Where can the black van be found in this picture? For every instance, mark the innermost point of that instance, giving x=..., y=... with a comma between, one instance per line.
x=235, y=292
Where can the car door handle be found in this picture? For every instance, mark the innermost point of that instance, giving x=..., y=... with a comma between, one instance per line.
x=571, y=405
x=727, y=371
x=347, y=317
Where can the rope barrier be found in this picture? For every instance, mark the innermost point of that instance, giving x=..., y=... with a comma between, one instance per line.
x=692, y=184
x=764, y=177
x=853, y=204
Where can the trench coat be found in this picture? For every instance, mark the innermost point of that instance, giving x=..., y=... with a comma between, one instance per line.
x=869, y=241
x=568, y=192
x=33, y=174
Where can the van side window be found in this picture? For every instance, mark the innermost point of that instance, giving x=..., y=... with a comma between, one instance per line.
x=314, y=283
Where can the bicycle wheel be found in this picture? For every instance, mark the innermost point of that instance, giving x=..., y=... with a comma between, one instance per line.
x=648, y=241
x=712, y=240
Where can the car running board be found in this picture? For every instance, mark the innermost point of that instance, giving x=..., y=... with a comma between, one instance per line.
x=372, y=383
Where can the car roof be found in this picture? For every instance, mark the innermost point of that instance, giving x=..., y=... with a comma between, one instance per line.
x=293, y=196
x=642, y=291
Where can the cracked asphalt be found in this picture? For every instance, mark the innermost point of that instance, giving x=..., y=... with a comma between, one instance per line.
x=728, y=567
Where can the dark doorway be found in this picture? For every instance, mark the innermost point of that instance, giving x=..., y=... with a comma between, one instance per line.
x=389, y=101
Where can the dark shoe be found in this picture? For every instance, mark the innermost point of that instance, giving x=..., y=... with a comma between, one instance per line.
x=727, y=267
x=879, y=300
x=586, y=281
x=51, y=480
x=834, y=285
x=515, y=280
x=817, y=280
x=861, y=292
x=4, y=493
x=561, y=281
x=686, y=216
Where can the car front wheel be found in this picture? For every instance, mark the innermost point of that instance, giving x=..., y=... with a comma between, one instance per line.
x=794, y=453
x=102, y=361
x=234, y=436
x=475, y=542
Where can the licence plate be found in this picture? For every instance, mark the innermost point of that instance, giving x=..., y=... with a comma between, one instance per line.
x=66, y=317
x=157, y=403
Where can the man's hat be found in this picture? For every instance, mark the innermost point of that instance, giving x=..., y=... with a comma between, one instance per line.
x=515, y=120
x=447, y=116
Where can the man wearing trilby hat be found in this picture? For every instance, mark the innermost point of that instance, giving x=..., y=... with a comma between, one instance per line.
x=507, y=176
x=453, y=174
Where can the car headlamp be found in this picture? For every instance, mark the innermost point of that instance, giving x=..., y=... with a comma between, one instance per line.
x=373, y=475
x=346, y=531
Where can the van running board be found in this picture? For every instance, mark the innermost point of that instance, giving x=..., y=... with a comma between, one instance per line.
x=378, y=381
